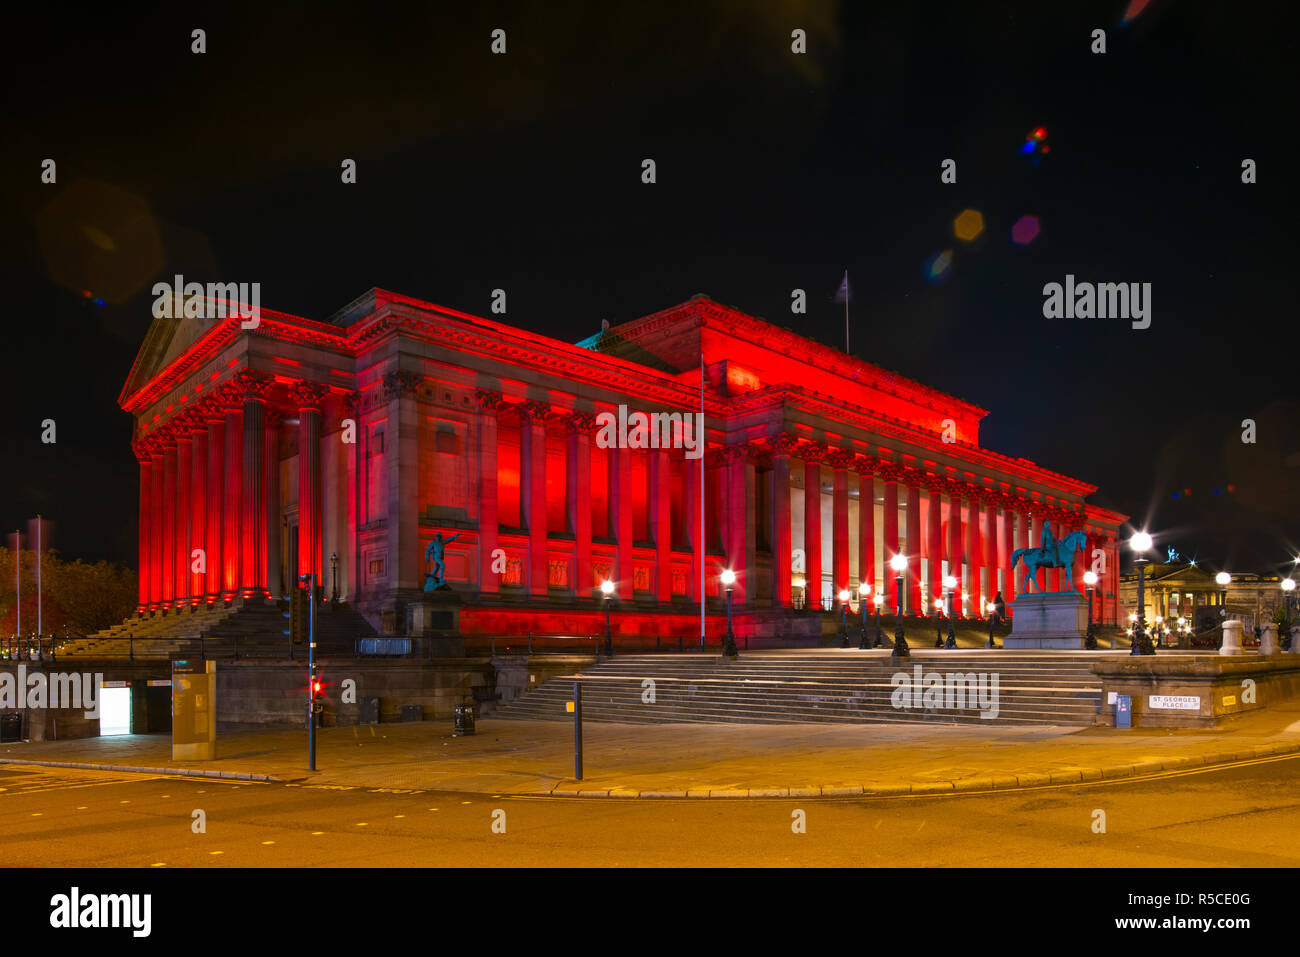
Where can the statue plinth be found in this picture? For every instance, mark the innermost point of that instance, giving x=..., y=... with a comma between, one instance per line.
x=435, y=618
x=1048, y=620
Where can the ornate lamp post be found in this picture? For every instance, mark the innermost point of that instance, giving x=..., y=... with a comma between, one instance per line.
x=863, y=591
x=607, y=589
x=844, y=597
x=1090, y=640
x=950, y=583
x=802, y=585
x=899, y=564
x=1224, y=580
x=1141, y=543
x=938, y=622
x=878, y=601
x=334, y=573
x=729, y=643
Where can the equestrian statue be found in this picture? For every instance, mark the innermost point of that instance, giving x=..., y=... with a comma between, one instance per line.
x=1052, y=554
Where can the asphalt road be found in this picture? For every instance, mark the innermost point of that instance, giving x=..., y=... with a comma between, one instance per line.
x=1234, y=816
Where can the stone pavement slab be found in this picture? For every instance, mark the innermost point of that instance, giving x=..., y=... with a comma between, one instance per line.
x=716, y=761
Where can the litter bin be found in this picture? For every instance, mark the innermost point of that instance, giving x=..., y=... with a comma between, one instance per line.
x=11, y=726
x=1123, y=711
x=464, y=719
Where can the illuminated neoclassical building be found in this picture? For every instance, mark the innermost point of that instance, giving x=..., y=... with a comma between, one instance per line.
x=343, y=446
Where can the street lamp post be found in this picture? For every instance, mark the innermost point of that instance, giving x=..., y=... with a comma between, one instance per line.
x=879, y=601
x=1224, y=580
x=899, y=564
x=1090, y=640
x=334, y=573
x=938, y=622
x=863, y=591
x=607, y=589
x=844, y=617
x=729, y=642
x=1141, y=543
x=950, y=583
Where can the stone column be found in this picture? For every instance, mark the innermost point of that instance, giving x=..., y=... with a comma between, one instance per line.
x=1022, y=541
x=184, y=469
x=253, y=496
x=532, y=496
x=889, y=473
x=310, y=399
x=782, y=446
x=274, y=562
x=741, y=545
x=1006, y=546
x=691, y=497
x=198, y=505
x=169, y=520
x=934, y=542
x=915, y=547
x=839, y=461
x=867, y=524
x=489, y=526
x=620, y=499
x=231, y=538
x=974, y=555
x=578, y=477
x=141, y=449
x=216, y=500
x=158, y=542
x=1055, y=574
x=991, y=547
x=954, y=545
x=812, y=454
x=402, y=461
x=661, y=526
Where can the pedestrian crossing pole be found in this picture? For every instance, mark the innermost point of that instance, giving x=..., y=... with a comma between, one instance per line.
x=310, y=579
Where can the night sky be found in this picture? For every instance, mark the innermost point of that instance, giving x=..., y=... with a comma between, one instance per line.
x=775, y=171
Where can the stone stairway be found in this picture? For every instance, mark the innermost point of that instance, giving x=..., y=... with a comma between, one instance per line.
x=254, y=629
x=849, y=686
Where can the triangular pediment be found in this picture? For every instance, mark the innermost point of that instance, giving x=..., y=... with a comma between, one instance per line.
x=166, y=340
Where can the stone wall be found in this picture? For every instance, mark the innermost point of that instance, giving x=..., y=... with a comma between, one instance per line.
x=1224, y=687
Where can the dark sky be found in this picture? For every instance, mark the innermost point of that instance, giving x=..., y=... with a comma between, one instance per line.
x=775, y=171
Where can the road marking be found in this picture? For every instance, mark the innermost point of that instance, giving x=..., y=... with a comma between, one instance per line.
x=264, y=843
x=216, y=852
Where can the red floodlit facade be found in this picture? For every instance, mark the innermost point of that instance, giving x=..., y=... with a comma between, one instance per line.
x=342, y=447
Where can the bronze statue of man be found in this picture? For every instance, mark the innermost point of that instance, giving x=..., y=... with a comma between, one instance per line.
x=436, y=577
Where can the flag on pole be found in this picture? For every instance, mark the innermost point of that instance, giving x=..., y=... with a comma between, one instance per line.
x=844, y=294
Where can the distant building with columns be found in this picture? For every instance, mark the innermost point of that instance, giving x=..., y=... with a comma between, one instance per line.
x=343, y=446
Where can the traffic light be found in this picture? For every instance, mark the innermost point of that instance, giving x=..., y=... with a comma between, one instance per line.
x=298, y=615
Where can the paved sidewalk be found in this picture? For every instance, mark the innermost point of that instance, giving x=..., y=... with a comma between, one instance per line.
x=700, y=760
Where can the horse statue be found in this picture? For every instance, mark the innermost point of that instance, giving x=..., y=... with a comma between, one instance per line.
x=1052, y=554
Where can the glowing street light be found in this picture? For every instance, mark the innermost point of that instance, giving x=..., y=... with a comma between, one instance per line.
x=863, y=591
x=899, y=564
x=878, y=600
x=950, y=583
x=1141, y=544
x=607, y=589
x=1090, y=640
x=729, y=642
x=1224, y=580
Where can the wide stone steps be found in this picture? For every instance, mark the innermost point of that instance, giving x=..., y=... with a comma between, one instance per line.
x=817, y=686
x=218, y=631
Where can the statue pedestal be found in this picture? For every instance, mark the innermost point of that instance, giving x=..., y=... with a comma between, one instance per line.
x=1048, y=620
x=435, y=619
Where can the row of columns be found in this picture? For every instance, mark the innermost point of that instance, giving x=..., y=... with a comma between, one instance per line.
x=210, y=496
x=580, y=427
